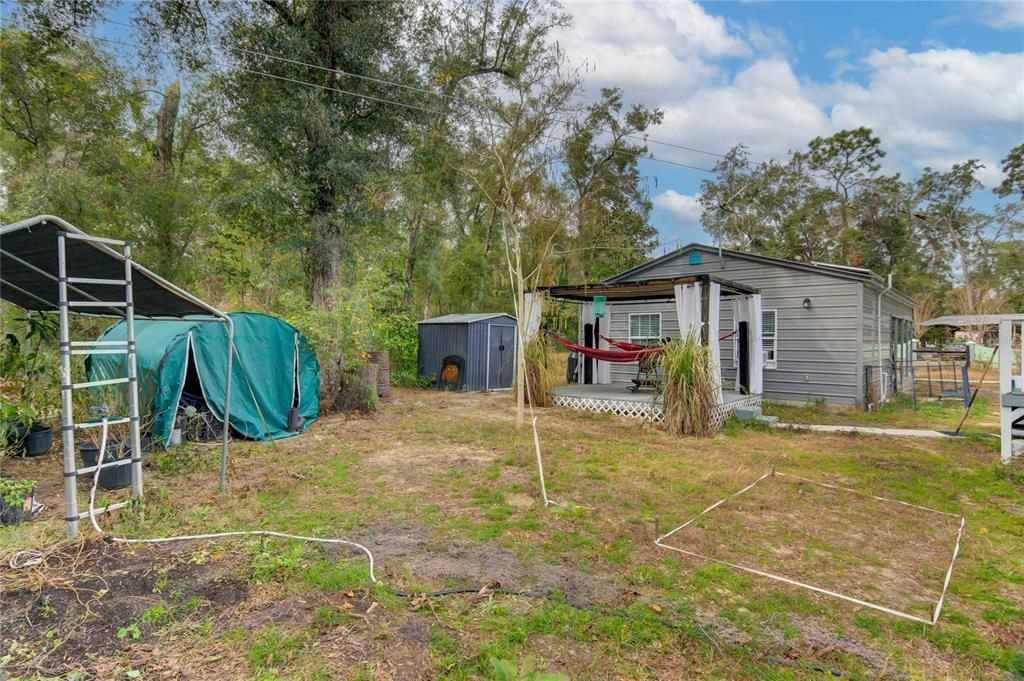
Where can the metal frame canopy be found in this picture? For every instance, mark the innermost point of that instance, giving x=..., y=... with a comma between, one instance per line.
x=44, y=261
x=643, y=289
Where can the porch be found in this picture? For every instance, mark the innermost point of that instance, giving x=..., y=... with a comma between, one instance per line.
x=619, y=400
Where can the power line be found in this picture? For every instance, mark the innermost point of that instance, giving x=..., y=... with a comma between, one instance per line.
x=382, y=100
x=635, y=154
x=381, y=81
x=454, y=98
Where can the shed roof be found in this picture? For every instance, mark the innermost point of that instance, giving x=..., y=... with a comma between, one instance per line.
x=465, y=318
x=959, y=320
x=29, y=274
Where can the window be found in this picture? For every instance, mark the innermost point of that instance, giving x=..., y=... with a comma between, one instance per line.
x=769, y=338
x=644, y=328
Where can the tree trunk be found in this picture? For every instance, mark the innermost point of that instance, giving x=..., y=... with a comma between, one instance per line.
x=410, y=261
x=323, y=252
x=166, y=121
x=164, y=220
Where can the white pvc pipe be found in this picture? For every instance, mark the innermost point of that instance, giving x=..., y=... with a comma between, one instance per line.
x=881, y=355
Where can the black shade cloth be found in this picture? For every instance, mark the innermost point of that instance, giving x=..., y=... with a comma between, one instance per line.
x=34, y=241
x=644, y=289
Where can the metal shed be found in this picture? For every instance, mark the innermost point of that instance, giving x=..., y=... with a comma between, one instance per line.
x=469, y=351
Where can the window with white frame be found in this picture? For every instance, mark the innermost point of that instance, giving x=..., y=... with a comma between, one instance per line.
x=770, y=338
x=644, y=328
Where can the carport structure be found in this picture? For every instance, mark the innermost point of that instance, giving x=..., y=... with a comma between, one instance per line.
x=48, y=265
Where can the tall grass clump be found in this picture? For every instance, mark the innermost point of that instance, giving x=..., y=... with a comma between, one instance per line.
x=540, y=369
x=689, y=388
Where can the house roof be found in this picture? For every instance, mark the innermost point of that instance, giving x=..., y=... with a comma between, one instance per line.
x=828, y=269
x=961, y=320
x=641, y=289
x=29, y=274
x=465, y=318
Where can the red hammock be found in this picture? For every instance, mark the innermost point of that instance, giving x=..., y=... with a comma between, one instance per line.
x=615, y=356
x=633, y=346
x=623, y=345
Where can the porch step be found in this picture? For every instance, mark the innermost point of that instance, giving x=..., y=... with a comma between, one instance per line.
x=748, y=413
x=768, y=420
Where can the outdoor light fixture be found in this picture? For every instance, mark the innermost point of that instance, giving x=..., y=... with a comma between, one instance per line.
x=807, y=303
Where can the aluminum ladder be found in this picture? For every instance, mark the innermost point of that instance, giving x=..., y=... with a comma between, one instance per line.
x=69, y=348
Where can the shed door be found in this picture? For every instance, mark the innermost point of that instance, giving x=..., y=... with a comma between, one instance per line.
x=501, y=356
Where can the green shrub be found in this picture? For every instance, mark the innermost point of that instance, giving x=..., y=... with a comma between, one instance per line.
x=689, y=390
x=540, y=368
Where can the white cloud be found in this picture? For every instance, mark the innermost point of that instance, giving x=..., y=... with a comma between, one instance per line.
x=685, y=209
x=649, y=48
x=764, y=107
x=721, y=84
x=937, y=104
x=1008, y=14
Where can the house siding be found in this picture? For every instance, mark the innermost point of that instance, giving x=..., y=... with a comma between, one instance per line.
x=819, y=351
x=893, y=305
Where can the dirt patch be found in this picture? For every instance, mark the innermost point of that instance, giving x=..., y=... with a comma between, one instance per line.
x=413, y=549
x=412, y=468
x=84, y=593
x=818, y=643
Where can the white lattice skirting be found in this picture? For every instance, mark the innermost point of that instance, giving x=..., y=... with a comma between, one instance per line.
x=646, y=410
x=649, y=411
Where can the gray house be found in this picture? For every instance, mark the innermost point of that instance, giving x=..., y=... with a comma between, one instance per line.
x=829, y=332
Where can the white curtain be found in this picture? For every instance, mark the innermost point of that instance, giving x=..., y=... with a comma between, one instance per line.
x=748, y=309
x=757, y=349
x=714, y=304
x=530, y=321
x=688, y=309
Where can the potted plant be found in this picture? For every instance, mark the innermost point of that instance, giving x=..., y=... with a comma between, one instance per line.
x=12, y=430
x=118, y=447
x=17, y=500
x=30, y=390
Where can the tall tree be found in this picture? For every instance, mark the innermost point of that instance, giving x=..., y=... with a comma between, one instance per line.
x=66, y=117
x=331, y=124
x=611, y=206
x=951, y=223
x=847, y=161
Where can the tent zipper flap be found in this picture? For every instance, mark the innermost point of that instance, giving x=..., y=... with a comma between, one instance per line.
x=296, y=383
x=181, y=388
x=202, y=388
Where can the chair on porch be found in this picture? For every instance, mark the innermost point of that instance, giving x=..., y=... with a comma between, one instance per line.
x=647, y=366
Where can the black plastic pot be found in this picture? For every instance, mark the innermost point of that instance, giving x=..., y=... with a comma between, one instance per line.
x=38, y=441
x=110, y=478
x=16, y=434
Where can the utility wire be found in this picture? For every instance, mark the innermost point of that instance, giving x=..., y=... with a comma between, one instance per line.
x=556, y=138
x=453, y=98
x=381, y=81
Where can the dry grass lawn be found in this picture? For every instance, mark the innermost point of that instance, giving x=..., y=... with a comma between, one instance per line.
x=443, y=489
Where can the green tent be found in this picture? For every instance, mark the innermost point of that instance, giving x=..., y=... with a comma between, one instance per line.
x=274, y=371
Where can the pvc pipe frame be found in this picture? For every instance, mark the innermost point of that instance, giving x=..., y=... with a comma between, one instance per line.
x=881, y=608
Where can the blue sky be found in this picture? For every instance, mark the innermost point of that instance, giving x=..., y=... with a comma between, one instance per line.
x=938, y=82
